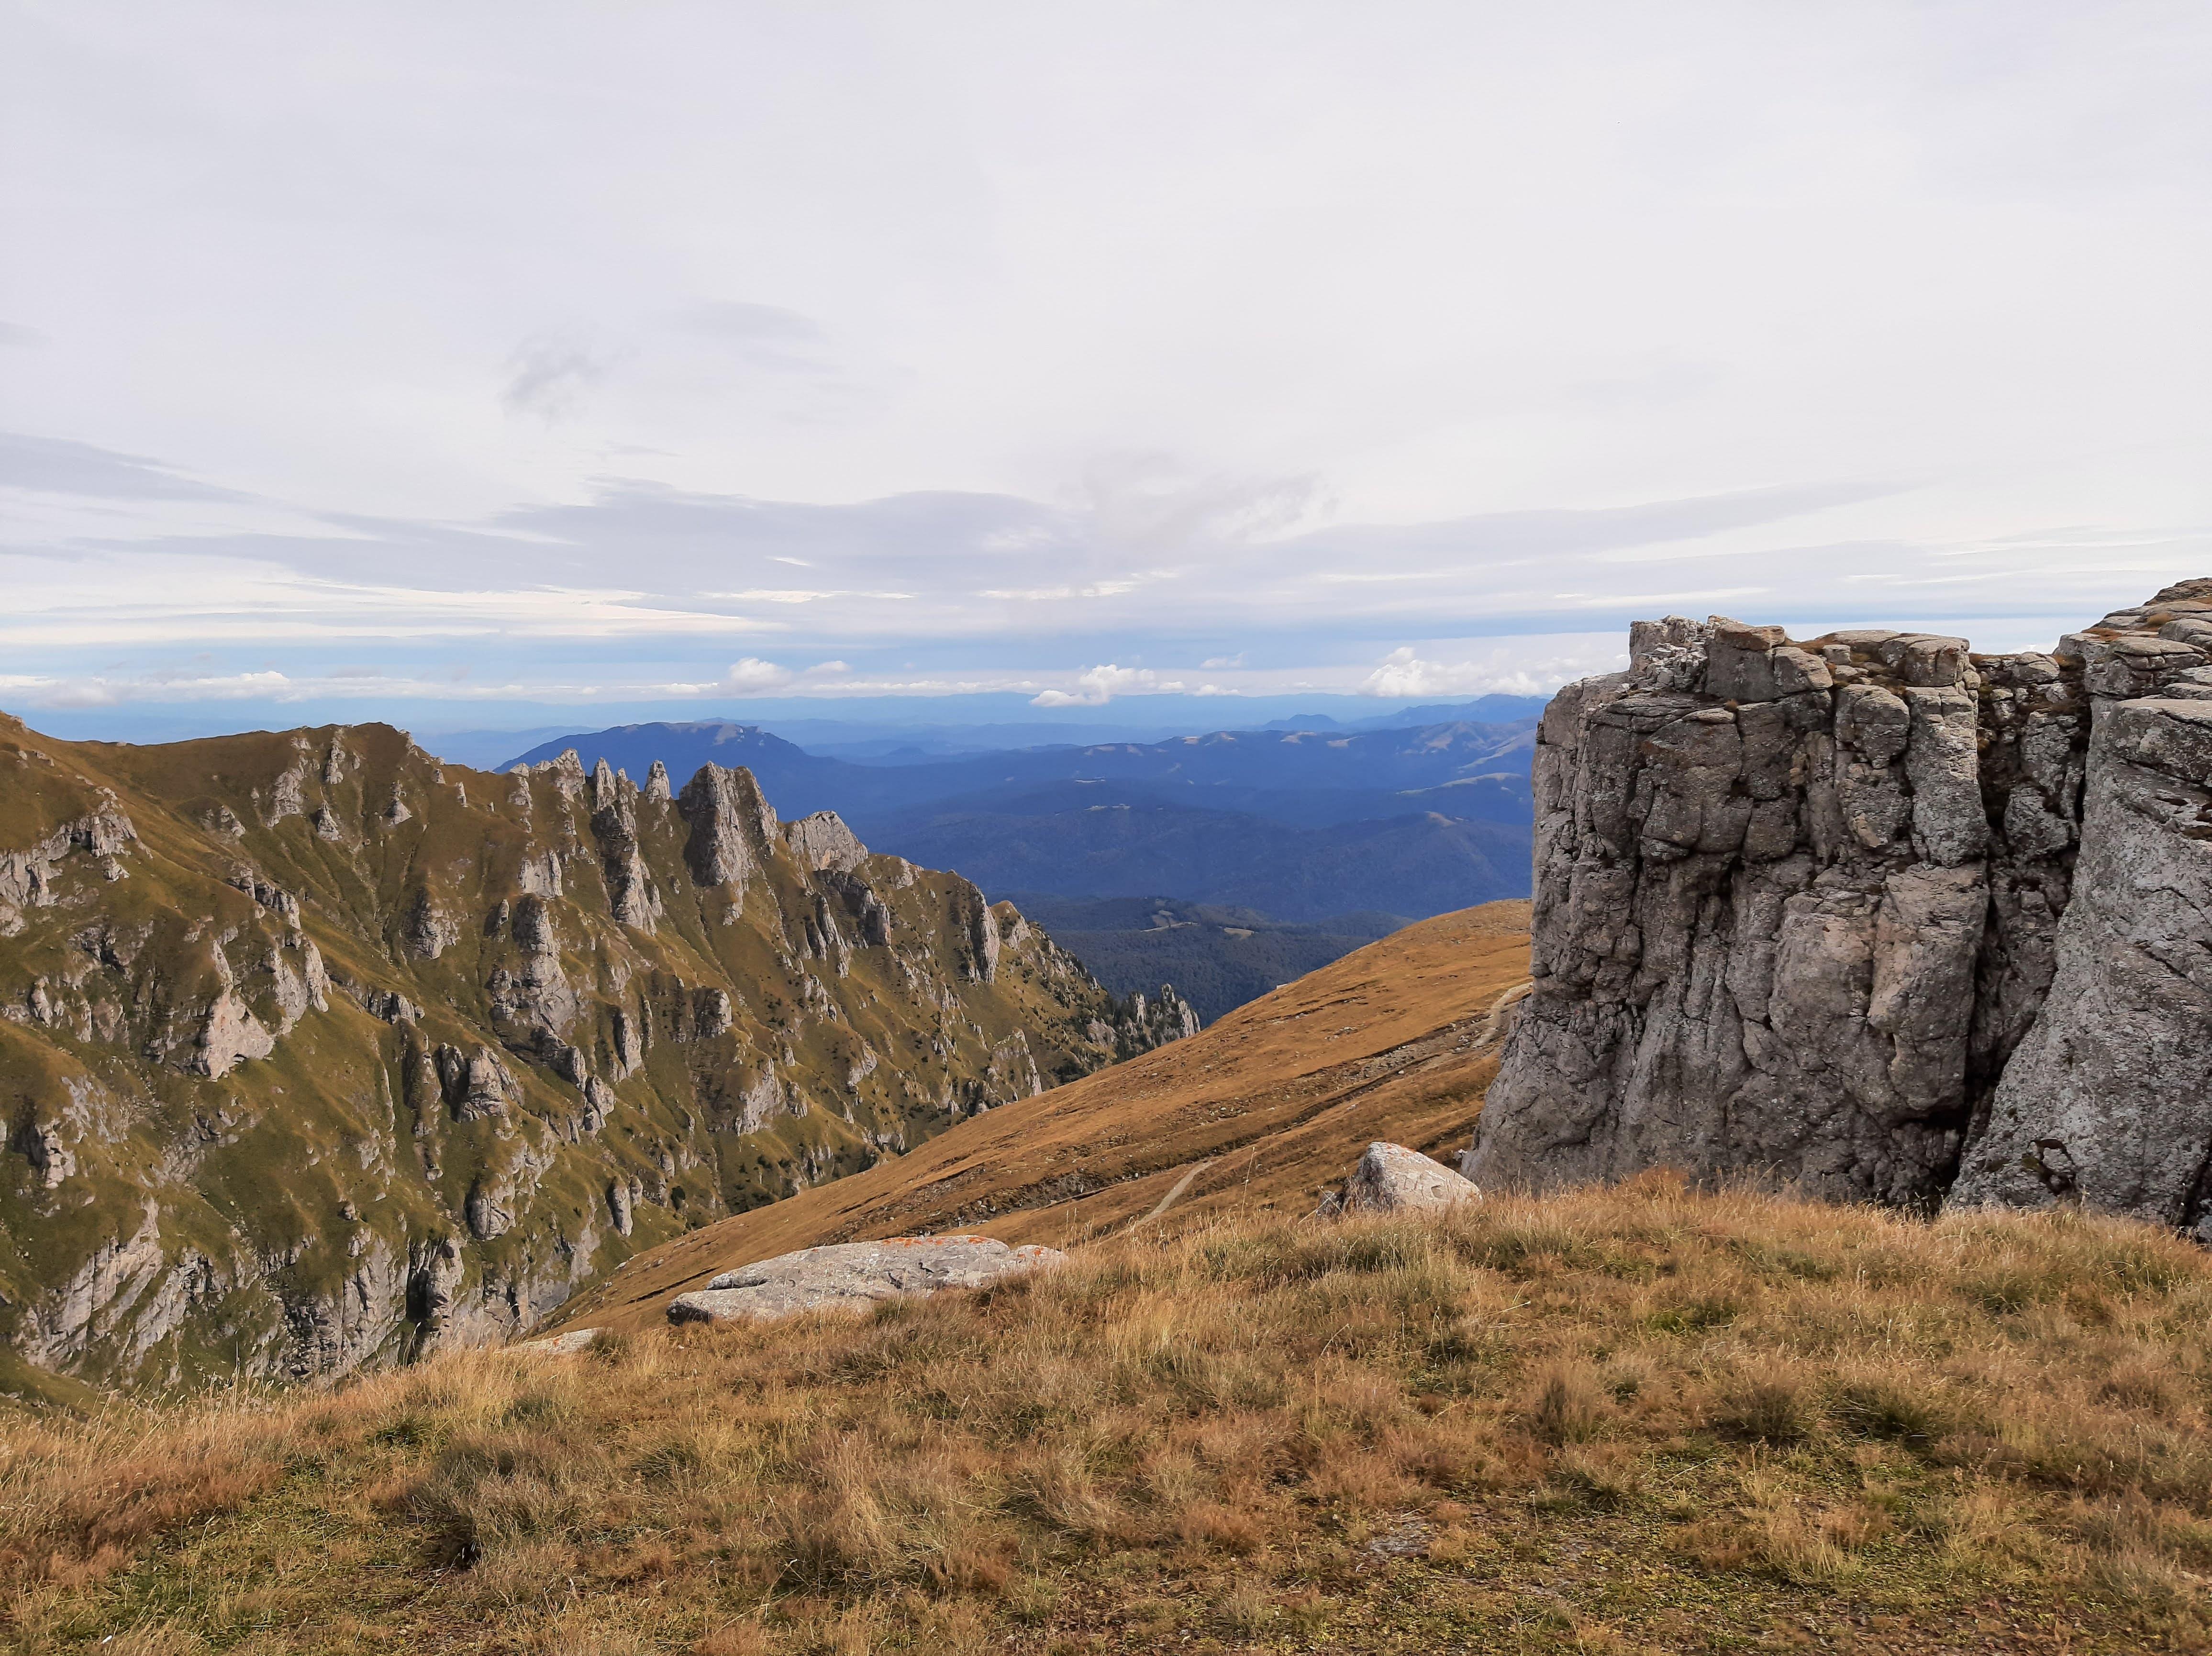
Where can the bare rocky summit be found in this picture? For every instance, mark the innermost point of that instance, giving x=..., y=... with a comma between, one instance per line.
x=1878, y=916
x=315, y=1051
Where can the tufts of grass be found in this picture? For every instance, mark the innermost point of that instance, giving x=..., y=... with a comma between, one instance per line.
x=1636, y=1418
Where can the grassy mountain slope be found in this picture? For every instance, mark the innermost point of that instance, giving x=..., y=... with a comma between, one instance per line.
x=1626, y=1421
x=315, y=1051
x=1256, y=1114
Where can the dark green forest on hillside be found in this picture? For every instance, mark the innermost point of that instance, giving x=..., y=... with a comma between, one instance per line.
x=1218, y=957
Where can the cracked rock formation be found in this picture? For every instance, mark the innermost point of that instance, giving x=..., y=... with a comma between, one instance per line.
x=315, y=1052
x=1876, y=916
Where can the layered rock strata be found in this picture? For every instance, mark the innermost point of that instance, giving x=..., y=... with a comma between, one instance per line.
x=1876, y=916
x=315, y=1052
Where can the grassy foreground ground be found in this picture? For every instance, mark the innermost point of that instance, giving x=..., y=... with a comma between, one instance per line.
x=1611, y=1421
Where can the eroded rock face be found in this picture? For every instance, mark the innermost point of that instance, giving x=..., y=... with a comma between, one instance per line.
x=2104, y=1102
x=856, y=1273
x=731, y=825
x=823, y=841
x=1799, y=905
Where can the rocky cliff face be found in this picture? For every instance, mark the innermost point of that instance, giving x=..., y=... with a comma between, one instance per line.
x=1876, y=915
x=313, y=1051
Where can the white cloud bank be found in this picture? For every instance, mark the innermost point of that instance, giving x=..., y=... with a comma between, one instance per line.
x=1526, y=667
x=1096, y=685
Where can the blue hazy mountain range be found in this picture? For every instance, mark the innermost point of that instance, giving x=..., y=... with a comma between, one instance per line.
x=1406, y=815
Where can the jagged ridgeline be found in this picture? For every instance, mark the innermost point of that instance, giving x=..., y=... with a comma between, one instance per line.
x=313, y=1051
x=1878, y=916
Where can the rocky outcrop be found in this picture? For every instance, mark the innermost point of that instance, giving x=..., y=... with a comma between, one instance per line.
x=631, y=896
x=1835, y=912
x=573, y=1019
x=1142, y=1023
x=731, y=825
x=856, y=1273
x=823, y=841
x=27, y=877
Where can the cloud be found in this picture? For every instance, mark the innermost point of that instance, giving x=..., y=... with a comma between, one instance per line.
x=1152, y=500
x=14, y=334
x=56, y=465
x=1406, y=674
x=765, y=336
x=525, y=598
x=735, y=320
x=750, y=675
x=1096, y=685
x=548, y=376
x=31, y=689
x=796, y=595
x=1105, y=589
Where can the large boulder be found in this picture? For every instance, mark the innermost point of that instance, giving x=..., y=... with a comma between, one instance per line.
x=1392, y=1179
x=856, y=1273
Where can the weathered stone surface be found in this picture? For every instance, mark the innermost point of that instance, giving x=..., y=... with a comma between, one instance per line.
x=2104, y=1102
x=856, y=1273
x=1836, y=933
x=823, y=841
x=731, y=825
x=568, y=1343
x=28, y=877
x=1393, y=1178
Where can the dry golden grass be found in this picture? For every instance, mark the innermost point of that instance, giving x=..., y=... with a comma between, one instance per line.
x=1396, y=1040
x=1619, y=1421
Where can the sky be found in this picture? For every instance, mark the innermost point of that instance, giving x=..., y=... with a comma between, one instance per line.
x=508, y=365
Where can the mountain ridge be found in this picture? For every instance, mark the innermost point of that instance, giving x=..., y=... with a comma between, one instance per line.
x=1424, y=819
x=314, y=1050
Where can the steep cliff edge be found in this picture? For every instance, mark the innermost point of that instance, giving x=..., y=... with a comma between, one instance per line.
x=315, y=1051
x=1878, y=916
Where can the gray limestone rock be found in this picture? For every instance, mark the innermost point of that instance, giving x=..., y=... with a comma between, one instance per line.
x=568, y=1343
x=854, y=1274
x=2102, y=1104
x=1901, y=929
x=631, y=898
x=1393, y=1178
x=823, y=841
x=476, y=1085
x=732, y=825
